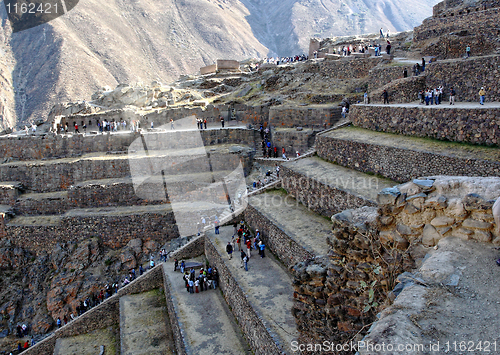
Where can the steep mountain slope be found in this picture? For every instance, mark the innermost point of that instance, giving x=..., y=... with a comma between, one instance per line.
x=104, y=43
x=286, y=26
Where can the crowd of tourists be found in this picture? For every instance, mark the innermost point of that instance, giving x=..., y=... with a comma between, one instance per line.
x=242, y=242
x=196, y=282
x=285, y=60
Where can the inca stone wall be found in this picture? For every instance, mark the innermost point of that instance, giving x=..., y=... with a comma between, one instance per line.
x=322, y=196
x=467, y=77
x=400, y=164
x=293, y=141
x=255, y=331
x=104, y=315
x=58, y=146
x=115, y=230
x=52, y=204
x=310, y=117
x=381, y=76
x=479, y=126
x=283, y=246
x=350, y=68
x=336, y=296
x=400, y=90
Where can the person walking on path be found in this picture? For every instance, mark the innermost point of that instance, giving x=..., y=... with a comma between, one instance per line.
x=423, y=65
x=229, y=250
x=245, y=261
x=222, y=121
x=385, y=95
x=262, y=247
x=277, y=171
x=452, y=96
x=365, y=98
x=217, y=225
x=405, y=73
x=482, y=94
x=467, y=52
x=242, y=256
x=381, y=33
x=249, y=248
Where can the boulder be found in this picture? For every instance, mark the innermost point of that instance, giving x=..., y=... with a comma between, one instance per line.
x=430, y=236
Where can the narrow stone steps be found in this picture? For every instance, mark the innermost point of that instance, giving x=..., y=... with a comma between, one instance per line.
x=303, y=226
x=267, y=286
x=403, y=158
x=144, y=326
x=328, y=188
x=207, y=324
x=90, y=343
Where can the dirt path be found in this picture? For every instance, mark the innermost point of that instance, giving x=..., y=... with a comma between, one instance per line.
x=455, y=303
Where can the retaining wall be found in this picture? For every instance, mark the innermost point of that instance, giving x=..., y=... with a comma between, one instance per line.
x=400, y=164
x=115, y=231
x=288, y=251
x=477, y=126
x=318, y=195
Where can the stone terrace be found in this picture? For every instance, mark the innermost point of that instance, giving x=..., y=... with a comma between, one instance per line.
x=284, y=222
x=207, y=323
x=267, y=287
x=469, y=123
x=403, y=158
x=327, y=188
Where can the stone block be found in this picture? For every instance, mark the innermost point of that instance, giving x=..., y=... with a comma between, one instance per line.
x=430, y=236
x=473, y=224
x=442, y=221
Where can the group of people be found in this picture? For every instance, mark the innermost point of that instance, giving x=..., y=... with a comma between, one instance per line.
x=242, y=241
x=285, y=60
x=433, y=96
x=195, y=282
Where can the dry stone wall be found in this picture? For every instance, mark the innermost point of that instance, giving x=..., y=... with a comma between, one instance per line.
x=336, y=296
x=477, y=126
x=115, y=231
x=400, y=90
x=400, y=164
x=467, y=77
x=320, y=196
x=310, y=117
x=59, y=146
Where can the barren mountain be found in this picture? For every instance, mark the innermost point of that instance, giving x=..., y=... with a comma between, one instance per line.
x=104, y=43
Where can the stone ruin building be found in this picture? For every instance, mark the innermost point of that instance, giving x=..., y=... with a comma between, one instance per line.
x=381, y=232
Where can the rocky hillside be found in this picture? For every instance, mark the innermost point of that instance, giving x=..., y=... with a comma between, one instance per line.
x=106, y=43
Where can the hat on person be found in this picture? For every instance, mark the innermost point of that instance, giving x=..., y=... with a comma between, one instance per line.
x=482, y=87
